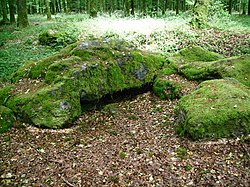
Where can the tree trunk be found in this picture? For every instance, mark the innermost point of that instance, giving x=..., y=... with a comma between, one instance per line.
x=4, y=11
x=244, y=6
x=177, y=8
x=144, y=8
x=230, y=6
x=68, y=9
x=132, y=3
x=93, y=9
x=47, y=4
x=126, y=7
x=200, y=13
x=249, y=7
x=22, y=16
x=12, y=11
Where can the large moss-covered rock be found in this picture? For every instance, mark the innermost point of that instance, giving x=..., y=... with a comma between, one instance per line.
x=219, y=108
x=49, y=92
x=7, y=119
x=196, y=63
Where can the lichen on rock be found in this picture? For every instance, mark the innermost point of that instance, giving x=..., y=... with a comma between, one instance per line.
x=219, y=108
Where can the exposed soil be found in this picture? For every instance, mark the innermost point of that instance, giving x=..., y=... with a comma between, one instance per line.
x=128, y=143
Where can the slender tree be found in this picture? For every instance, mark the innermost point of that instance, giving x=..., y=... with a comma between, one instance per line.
x=249, y=7
x=22, y=16
x=230, y=6
x=177, y=8
x=132, y=6
x=48, y=10
x=93, y=8
x=244, y=6
x=126, y=7
x=68, y=9
x=12, y=11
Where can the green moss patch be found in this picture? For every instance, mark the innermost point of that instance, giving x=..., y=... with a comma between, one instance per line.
x=172, y=86
x=7, y=119
x=219, y=108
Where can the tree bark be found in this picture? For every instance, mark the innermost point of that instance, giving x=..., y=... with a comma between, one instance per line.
x=22, y=16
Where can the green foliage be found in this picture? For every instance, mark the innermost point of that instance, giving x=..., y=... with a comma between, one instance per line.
x=122, y=155
x=57, y=39
x=181, y=152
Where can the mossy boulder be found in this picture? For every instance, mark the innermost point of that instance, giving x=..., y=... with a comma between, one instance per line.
x=198, y=64
x=195, y=63
x=50, y=92
x=235, y=67
x=7, y=119
x=219, y=108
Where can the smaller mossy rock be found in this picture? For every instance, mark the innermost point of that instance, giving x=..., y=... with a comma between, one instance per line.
x=56, y=38
x=235, y=67
x=7, y=119
x=196, y=63
x=219, y=108
x=51, y=106
x=194, y=54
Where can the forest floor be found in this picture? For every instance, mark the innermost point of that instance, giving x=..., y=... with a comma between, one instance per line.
x=126, y=143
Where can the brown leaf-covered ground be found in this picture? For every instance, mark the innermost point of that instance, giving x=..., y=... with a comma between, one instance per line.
x=127, y=143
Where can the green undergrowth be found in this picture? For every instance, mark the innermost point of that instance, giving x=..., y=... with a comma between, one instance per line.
x=19, y=45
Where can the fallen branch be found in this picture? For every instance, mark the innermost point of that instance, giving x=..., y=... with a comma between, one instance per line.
x=67, y=182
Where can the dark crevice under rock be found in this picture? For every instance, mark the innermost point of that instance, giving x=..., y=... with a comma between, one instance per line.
x=127, y=94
